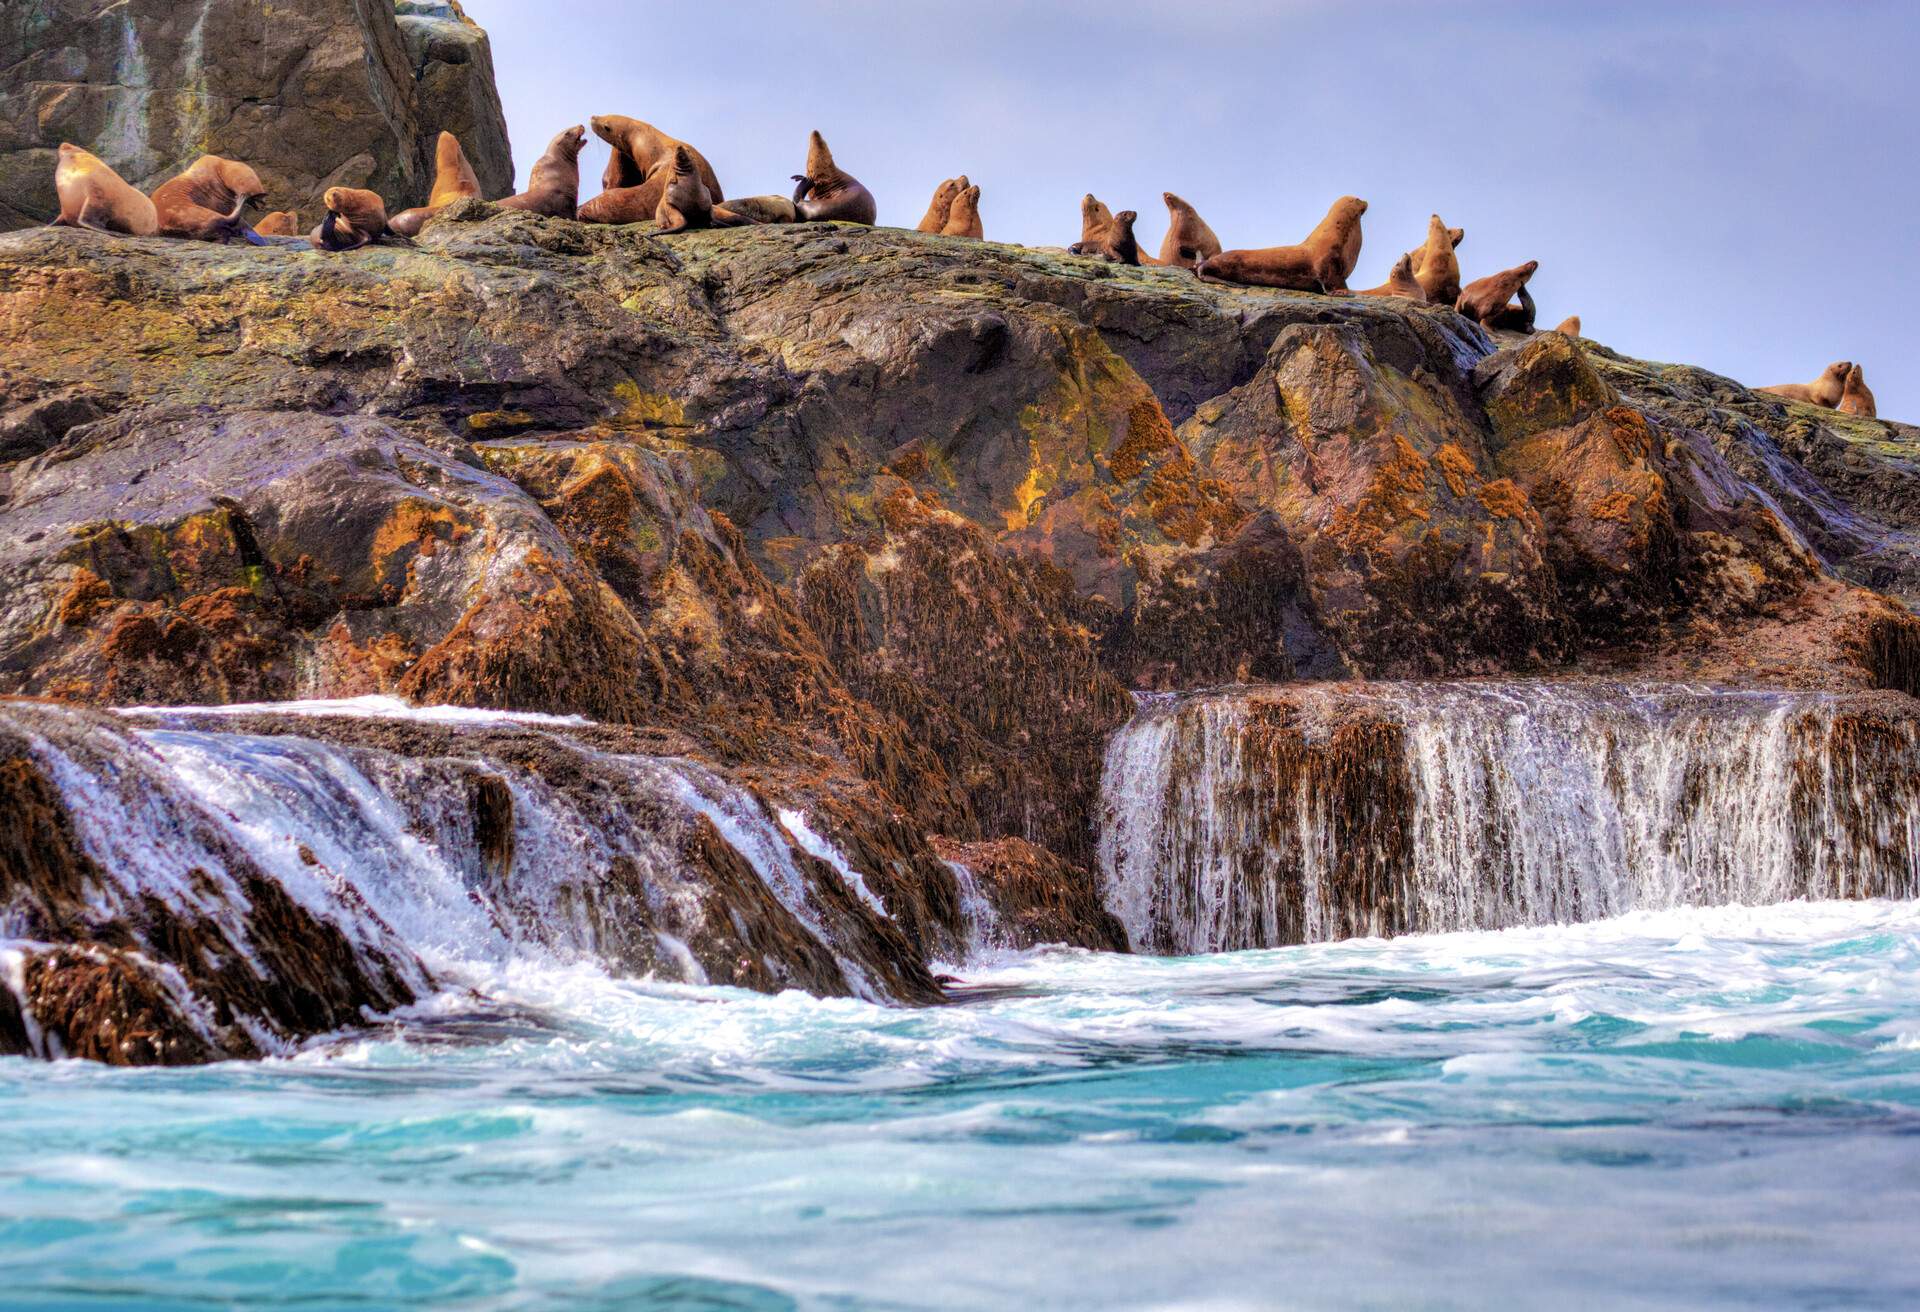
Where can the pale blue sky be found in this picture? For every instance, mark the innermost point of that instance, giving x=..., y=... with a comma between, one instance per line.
x=1729, y=185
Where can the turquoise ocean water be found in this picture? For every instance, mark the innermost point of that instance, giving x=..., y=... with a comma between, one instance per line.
x=1699, y=1108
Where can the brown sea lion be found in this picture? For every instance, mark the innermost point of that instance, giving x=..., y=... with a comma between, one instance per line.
x=1189, y=240
x=355, y=218
x=94, y=196
x=761, y=209
x=828, y=192
x=1826, y=390
x=208, y=200
x=280, y=223
x=640, y=150
x=1570, y=326
x=935, y=220
x=1855, y=399
x=626, y=204
x=1348, y=230
x=1400, y=282
x=686, y=203
x=1114, y=242
x=1487, y=299
x=1316, y=265
x=554, y=185
x=1435, y=267
x=453, y=179
x=1095, y=219
x=963, y=220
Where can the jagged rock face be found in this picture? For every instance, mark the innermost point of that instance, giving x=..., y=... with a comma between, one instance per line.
x=320, y=94
x=1032, y=897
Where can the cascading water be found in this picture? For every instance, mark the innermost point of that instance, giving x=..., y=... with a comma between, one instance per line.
x=1261, y=817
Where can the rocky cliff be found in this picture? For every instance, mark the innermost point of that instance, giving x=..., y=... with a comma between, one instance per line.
x=320, y=94
x=875, y=526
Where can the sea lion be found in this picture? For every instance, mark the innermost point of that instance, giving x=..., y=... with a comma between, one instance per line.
x=1114, y=242
x=963, y=220
x=626, y=204
x=1189, y=240
x=94, y=196
x=206, y=202
x=355, y=218
x=761, y=209
x=935, y=220
x=1095, y=219
x=1316, y=265
x=1435, y=267
x=640, y=150
x=686, y=202
x=554, y=185
x=1400, y=282
x=280, y=223
x=1855, y=399
x=1487, y=299
x=1570, y=326
x=1826, y=390
x=1348, y=230
x=453, y=179
x=828, y=192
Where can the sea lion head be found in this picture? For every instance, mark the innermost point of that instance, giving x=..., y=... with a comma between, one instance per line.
x=239, y=179
x=1175, y=204
x=1094, y=215
x=1839, y=370
x=1125, y=218
x=819, y=159
x=682, y=162
x=1350, y=207
x=1403, y=267
x=1527, y=270
x=571, y=142
x=1456, y=235
x=362, y=209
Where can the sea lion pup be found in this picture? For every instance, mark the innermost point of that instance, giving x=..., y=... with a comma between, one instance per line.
x=94, y=196
x=355, y=218
x=828, y=192
x=1826, y=390
x=1855, y=399
x=1348, y=231
x=935, y=220
x=280, y=223
x=1316, y=265
x=1400, y=282
x=1570, y=326
x=554, y=185
x=1189, y=240
x=1486, y=300
x=963, y=220
x=1435, y=267
x=640, y=150
x=206, y=202
x=453, y=179
x=1114, y=243
x=686, y=203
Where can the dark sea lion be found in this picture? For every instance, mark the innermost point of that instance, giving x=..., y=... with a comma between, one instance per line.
x=280, y=223
x=828, y=192
x=94, y=196
x=1338, y=223
x=207, y=202
x=963, y=220
x=453, y=179
x=1826, y=390
x=554, y=185
x=1114, y=242
x=935, y=220
x=1855, y=399
x=1570, y=326
x=1189, y=240
x=640, y=150
x=355, y=218
x=1313, y=266
x=1400, y=282
x=1435, y=267
x=686, y=202
x=1487, y=300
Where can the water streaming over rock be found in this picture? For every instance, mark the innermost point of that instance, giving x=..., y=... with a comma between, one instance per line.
x=1268, y=816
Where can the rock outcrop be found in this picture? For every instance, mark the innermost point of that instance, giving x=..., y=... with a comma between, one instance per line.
x=320, y=94
x=876, y=528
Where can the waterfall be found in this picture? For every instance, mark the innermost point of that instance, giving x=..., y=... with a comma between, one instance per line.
x=1267, y=816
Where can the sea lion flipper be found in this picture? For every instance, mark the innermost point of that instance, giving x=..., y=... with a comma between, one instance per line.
x=669, y=219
